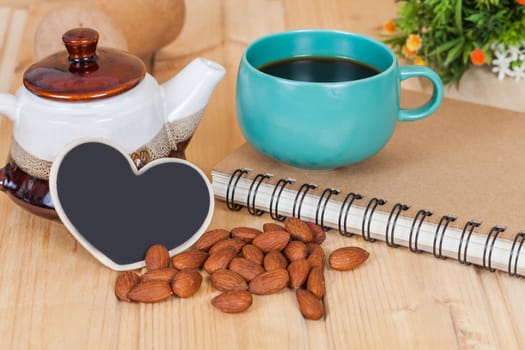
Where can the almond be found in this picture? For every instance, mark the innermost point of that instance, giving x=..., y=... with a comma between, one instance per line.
x=252, y=253
x=319, y=235
x=150, y=291
x=246, y=234
x=231, y=242
x=298, y=271
x=211, y=237
x=186, y=283
x=316, y=258
x=164, y=274
x=315, y=282
x=274, y=260
x=311, y=307
x=311, y=247
x=295, y=250
x=233, y=301
x=190, y=259
x=271, y=226
x=246, y=268
x=220, y=259
x=157, y=257
x=347, y=258
x=124, y=283
x=269, y=282
x=298, y=229
x=272, y=240
x=226, y=280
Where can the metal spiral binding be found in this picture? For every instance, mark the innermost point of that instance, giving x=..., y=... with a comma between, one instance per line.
x=421, y=215
x=281, y=184
x=471, y=225
x=250, y=199
x=447, y=219
x=237, y=174
x=389, y=233
x=365, y=227
x=494, y=232
x=521, y=237
x=303, y=190
x=345, y=207
x=328, y=192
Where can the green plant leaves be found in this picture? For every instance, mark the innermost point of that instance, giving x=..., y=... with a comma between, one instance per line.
x=457, y=16
x=466, y=52
x=455, y=51
x=452, y=29
x=446, y=46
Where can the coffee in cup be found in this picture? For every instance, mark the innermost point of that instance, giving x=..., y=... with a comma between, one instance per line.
x=323, y=99
x=319, y=69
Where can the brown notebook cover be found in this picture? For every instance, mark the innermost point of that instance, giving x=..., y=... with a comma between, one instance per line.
x=466, y=160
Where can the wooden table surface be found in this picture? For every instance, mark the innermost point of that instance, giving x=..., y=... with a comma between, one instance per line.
x=54, y=295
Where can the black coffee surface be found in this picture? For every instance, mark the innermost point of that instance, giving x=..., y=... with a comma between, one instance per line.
x=319, y=69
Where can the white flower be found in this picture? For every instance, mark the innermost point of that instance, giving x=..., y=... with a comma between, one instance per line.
x=519, y=72
x=495, y=46
x=514, y=52
x=509, y=60
x=502, y=65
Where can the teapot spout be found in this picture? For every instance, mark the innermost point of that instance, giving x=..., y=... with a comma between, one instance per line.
x=189, y=91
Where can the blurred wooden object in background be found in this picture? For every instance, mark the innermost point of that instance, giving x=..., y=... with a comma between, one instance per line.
x=140, y=27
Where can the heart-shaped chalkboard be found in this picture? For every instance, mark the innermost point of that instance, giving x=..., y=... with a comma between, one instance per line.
x=116, y=211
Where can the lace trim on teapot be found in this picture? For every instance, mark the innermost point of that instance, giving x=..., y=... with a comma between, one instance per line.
x=30, y=164
x=158, y=147
x=181, y=130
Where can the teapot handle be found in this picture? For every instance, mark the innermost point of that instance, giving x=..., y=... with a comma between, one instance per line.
x=8, y=106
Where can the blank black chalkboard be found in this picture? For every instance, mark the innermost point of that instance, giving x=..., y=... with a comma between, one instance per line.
x=117, y=212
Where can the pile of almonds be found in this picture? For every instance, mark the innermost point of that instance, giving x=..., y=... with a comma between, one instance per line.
x=243, y=262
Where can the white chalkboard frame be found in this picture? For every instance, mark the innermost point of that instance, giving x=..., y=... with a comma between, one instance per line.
x=96, y=253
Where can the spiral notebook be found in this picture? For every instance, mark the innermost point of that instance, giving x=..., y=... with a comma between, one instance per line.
x=451, y=185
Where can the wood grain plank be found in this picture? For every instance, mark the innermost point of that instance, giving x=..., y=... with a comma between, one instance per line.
x=202, y=30
x=504, y=320
x=5, y=13
x=8, y=61
x=246, y=21
x=510, y=317
x=5, y=75
x=355, y=16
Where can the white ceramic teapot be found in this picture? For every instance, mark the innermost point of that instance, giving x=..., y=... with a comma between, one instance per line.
x=97, y=92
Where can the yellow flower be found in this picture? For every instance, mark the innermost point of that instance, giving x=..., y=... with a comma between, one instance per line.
x=413, y=42
x=407, y=52
x=420, y=61
x=390, y=26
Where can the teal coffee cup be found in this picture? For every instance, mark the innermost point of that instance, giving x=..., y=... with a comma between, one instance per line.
x=301, y=99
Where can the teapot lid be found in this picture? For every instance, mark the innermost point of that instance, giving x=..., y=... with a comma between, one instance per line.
x=85, y=72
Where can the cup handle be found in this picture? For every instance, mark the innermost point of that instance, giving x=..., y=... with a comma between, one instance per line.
x=427, y=109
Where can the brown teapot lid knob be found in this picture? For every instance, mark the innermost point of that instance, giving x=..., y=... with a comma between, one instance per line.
x=81, y=44
x=87, y=73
